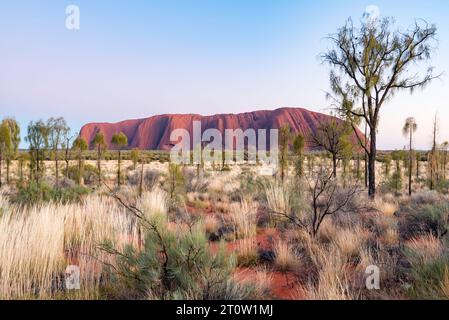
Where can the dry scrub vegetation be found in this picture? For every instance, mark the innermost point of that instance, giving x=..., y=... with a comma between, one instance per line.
x=223, y=234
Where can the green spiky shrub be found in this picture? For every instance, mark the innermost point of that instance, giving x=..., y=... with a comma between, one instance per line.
x=172, y=264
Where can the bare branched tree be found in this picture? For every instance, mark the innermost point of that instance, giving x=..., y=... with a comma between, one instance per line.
x=327, y=198
x=334, y=137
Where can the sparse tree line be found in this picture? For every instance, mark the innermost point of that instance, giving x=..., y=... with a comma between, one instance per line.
x=333, y=141
x=334, y=145
x=52, y=140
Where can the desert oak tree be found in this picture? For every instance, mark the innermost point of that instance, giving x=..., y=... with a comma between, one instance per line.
x=370, y=64
x=120, y=141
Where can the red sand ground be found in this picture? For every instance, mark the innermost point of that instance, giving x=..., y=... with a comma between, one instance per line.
x=284, y=285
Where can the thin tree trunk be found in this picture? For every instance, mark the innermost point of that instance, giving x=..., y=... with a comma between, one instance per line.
x=417, y=166
x=366, y=155
x=372, y=165
x=99, y=165
x=334, y=165
x=21, y=171
x=67, y=160
x=8, y=162
x=118, y=170
x=445, y=165
x=80, y=171
x=57, y=168
x=410, y=166
x=141, y=180
x=37, y=165
x=1, y=164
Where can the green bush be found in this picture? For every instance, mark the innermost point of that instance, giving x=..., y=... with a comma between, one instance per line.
x=425, y=219
x=172, y=264
x=426, y=279
x=36, y=192
x=90, y=173
x=392, y=183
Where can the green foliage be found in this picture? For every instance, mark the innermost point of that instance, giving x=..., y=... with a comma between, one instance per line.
x=429, y=218
x=387, y=164
x=89, y=173
x=119, y=140
x=333, y=136
x=175, y=185
x=99, y=141
x=298, y=150
x=14, y=130
x=57, y=131
x=395, y=182
x=80, y=144
x=135, y=156
x=37, y=137
x=173, y=264
x=9, y=143
x=284, y=141
x=5, y=138
x=359, y=87
x=423, y=219
x=426, y=277
x=37, y=192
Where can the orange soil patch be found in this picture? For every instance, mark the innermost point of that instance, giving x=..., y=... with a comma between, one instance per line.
x=265, y=240
x=283, y=286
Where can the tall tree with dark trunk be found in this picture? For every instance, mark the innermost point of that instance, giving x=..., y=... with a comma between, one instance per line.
x=410, y=127
x=135, y=155
x=370, y=64
x=120, y=141
x=11, y=152
x=99, y=143
x=298, y=150
x=284, y=137
x=66, y=146
x=5, y=145
x=79, y=146
x=58, y=130
x=444, y=148
x=37, y=138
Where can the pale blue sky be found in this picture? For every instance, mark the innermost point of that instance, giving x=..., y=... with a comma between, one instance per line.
x=134, y=59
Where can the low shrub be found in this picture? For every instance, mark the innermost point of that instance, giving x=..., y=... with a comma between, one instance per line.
x=425, y=219
x=90, y=173
x=36, y=192
x=150, y=178
x=173, y=264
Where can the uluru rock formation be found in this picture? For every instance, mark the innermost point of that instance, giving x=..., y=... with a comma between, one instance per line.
x=153, y=133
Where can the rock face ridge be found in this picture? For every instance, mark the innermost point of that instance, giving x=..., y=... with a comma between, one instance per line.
x=153, y=133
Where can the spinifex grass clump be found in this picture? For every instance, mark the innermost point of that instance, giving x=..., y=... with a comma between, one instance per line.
x=38, y=243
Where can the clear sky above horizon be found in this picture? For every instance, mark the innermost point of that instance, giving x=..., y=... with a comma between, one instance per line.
x=134, y=59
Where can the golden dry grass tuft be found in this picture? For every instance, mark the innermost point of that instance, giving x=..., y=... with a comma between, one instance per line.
x=425, y=248
x=37, y=244
x=286, y=260
x=243, y=217
x=350, y=241
x=445, y=283
x=387, y=206
x=211, y=224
